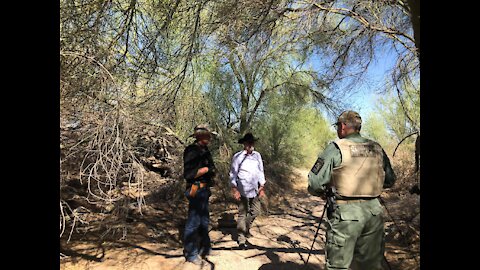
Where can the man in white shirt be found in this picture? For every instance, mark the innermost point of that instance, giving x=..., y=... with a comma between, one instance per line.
x=247, y=180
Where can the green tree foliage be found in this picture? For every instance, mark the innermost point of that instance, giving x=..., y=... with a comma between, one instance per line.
x=402, y=116
x=313, y=132
x=395, y=118
x=375, y=128
x=292, y=131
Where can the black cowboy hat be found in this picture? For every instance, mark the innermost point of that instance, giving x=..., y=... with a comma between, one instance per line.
x=247, y=138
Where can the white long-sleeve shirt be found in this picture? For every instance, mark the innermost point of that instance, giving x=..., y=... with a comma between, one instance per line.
x=250, y=175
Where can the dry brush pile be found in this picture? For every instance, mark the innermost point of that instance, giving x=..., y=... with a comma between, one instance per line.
x=402, y=201
x=111, y=156
x=107, y=171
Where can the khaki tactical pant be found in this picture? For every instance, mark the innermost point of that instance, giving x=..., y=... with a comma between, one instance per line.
x=355, y=232
x=248, y=210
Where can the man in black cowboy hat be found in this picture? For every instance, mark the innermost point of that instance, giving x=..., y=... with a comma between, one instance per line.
x=247, y=180
x=199, y=171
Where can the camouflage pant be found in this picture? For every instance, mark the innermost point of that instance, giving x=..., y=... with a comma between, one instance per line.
x=355, y=232
x=248, y=210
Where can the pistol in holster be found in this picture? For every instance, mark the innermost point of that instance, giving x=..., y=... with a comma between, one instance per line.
x=331, y=201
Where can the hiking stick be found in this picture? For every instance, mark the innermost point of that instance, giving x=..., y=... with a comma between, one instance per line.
x=316, y=234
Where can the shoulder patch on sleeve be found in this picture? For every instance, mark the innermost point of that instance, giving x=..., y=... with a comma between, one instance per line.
x=318, y=165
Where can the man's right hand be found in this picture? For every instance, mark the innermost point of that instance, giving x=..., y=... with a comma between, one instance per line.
x=201, y=172
x=236, y=193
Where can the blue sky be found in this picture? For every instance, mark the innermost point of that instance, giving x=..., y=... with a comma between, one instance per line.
x=365, y=98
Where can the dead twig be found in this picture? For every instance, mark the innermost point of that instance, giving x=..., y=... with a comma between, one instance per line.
x=416, y=132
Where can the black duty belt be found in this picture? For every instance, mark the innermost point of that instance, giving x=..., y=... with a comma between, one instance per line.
x=356, y=200
x=201, y=184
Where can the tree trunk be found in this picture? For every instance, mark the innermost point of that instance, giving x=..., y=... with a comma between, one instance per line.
x=244, y=115
x=415, y=18
x=417, y=154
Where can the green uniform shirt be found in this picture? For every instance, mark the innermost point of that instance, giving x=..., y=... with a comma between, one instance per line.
x=331, y=158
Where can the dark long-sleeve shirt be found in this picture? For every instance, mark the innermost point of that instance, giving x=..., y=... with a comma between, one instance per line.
x=332, y=157
x=194, y=158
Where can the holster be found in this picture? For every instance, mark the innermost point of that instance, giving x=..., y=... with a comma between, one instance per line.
x=331, y=202
x=195, y=187
x=331, y=206
x=193, y=190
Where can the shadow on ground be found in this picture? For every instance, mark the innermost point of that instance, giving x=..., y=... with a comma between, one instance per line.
x=276, y=264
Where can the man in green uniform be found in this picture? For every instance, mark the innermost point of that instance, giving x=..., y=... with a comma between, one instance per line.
x=354, y=170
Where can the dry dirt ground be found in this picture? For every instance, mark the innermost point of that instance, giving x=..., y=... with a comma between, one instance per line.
x=280, y=240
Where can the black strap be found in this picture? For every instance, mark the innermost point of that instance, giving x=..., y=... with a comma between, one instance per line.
x=238, y=169
x=239, y=165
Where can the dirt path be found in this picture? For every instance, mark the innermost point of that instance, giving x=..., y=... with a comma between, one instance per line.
x=279, y=241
